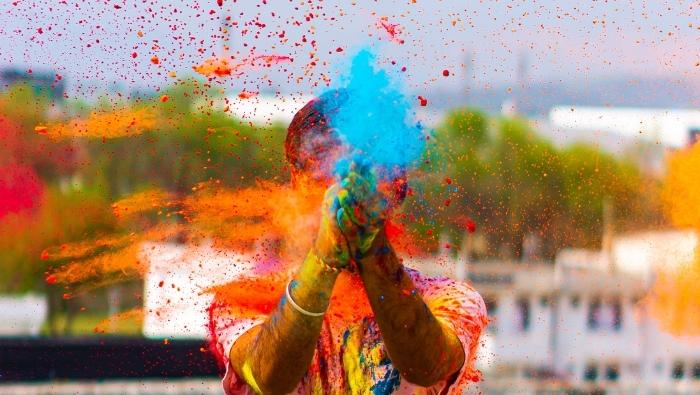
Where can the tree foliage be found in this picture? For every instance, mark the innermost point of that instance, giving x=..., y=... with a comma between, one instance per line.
x=499, y=173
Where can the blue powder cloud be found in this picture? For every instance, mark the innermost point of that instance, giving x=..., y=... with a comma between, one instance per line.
x=377, y=119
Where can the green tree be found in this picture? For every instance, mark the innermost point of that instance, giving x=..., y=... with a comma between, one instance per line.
x=512, y=182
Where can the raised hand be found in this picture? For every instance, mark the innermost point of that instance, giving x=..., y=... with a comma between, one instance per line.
x=331, y=246
x=353, y=213
x=360, y=208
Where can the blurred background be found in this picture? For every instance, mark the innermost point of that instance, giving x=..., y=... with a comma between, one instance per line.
x=559, y=179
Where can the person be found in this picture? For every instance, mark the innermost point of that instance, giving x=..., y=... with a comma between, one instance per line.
x=418, y=335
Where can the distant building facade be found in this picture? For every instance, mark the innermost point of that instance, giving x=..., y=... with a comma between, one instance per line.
x=579, y=323
x=672, y=128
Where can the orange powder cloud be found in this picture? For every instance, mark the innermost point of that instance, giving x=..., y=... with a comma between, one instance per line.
x=219, y=66
x=287, y=214
x=277, y=221
x=96, y=263
x=107, y=325
x=107, y=124
x=266, y=212
x=675, y=297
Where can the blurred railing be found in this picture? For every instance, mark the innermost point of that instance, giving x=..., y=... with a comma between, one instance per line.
x=103, y=358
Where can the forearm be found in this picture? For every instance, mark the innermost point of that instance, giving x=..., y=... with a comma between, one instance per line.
x=422, y=349
x=273, y=357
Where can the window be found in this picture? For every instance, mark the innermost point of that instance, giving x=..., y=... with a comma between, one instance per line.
x=491, y=305
x=694, y=134
x=523, y=305
x=612, y=373
x=678, y=370
x=607, y=314
x=659, y=368
x=695, y=371
x=492, y=310
x=594, y=308
x=575, y=301
x=617, y=314
x=590, y=373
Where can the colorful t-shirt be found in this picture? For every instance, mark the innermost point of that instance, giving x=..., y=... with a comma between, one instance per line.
x=352, y=359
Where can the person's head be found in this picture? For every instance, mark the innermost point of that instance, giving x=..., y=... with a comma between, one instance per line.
x=313, y=147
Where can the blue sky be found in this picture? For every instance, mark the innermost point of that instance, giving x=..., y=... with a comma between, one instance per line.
x=91, y=42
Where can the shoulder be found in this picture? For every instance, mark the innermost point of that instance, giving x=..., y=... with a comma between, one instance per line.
x=438, y=283
x=447, y=293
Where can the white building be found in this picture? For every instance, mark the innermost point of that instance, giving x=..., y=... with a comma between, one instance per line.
x=176, y=300
x=673, y=128
x=265, y=109
x=580, y=322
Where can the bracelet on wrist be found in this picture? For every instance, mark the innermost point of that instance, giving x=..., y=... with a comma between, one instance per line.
x=298, y=308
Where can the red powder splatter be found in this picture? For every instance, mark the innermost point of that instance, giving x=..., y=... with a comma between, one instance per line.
x=445, y=73
x=67, y=296
x=272, y=59
x=223, y=67
x=448, y=180
x=392, y=29
x=134, y=55
x=393, y=230
x=44, y=255
x=40, y=30
x=20, y=189
x=423, y=101
x=50, y=279
x=247, y=94
x=217, y=350
x=41, y=129
x=160, y=284
x=220, y=3
x=339, y=49
x=155, y=60
x=164, y=98
x=447, y=202
x=470, y=225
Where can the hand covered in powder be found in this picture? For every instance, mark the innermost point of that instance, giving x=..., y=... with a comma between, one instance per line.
x=353, y=214
x=361, y=209
x=331, y=246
